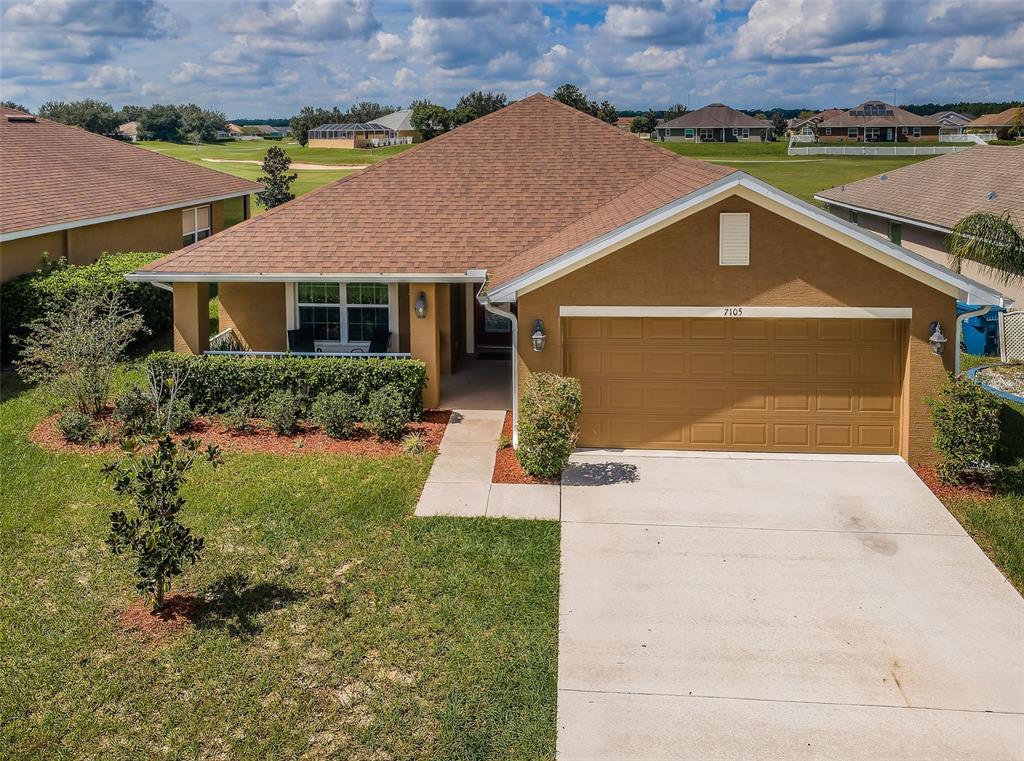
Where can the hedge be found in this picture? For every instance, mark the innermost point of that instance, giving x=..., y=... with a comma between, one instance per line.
x=219, y=383
x=548, y=423
x=31, y=296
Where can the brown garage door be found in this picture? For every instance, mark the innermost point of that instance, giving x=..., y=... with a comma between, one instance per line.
x=786, y=385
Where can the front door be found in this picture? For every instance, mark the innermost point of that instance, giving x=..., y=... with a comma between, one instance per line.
x=890, y=135
x=492, y=331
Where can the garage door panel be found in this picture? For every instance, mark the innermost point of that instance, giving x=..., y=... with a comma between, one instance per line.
x=744, y=384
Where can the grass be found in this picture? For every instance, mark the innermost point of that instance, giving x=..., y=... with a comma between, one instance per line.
x=254, y=150
x=333, y=623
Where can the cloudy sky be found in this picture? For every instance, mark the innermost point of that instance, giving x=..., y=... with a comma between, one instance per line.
x=269, y=57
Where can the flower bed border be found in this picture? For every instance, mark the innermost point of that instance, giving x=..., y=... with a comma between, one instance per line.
x=1005, y=395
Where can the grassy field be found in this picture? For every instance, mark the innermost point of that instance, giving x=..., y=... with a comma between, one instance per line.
x=254, y=150
x=332, y=622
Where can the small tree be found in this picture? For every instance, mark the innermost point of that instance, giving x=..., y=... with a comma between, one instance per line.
x=643, y=124
x=779, y=125
x=275, y=178
x=151, y=477
x=77, y=349
x=430, y=119
x=675, y=111
x=994, y=241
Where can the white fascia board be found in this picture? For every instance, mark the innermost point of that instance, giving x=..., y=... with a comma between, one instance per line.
x=4, y=237
x=145, y=276
x=884, y=214
x=740, y=311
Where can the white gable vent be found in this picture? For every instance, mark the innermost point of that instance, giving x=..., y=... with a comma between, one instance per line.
x=734, y=239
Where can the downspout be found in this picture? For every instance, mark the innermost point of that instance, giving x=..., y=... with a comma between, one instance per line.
x=959, y=331
x=482, y=298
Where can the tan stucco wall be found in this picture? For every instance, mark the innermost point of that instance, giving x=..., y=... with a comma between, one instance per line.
x=257, y=312
x=331, y=143
x=83, y=245
x=191, y=317
x=789, y=266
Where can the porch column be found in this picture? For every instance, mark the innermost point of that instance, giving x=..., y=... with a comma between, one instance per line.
x=425, y=339
x=444, y=324
x=191, y=317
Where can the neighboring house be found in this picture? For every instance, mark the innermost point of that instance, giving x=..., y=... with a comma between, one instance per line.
x=267, y=131
x=1005, y=124
x=917, y=206
x=394, y=129
x=716, y=123
x=809, y=125
x=875, y=121
x=129, y=131
x=70, y=193
x=700, y=307
x=624, y=122
x=950, y=122
x=233, y=129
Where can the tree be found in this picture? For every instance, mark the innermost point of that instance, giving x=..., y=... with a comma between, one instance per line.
x=92, y=115
x=160, y=122
x=571, y=95
x=643, y=124
x=151, y=476
x=605, y=112
x=199, y=125
x=275, y=178
x=995, y=241
x=481, y=103
x=779, y=124
x=367, y=111
x=15, y=106
x=311, y=118
x=430, y=119
x=132, y=113
x=77, y=349
x=675, y=111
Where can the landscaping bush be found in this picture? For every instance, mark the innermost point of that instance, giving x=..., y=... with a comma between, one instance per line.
x=74, y=425
x=134, y=410
x=967, y=430
x=181, y=415
x=239, y=419
x=219, y=383
x=55, y=285
x=281, y=411
x=387, y=414
x=337, y=414
x=548, y=423
x=414, y=443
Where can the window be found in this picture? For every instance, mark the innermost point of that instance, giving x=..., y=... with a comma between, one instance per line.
x=689, y=132
x=746, y=132
x=851, y=132
x=828, y=130
x=736, y=131
x=896, y=233
x=917, y=132
x=347, y=315
x=905, y=131
x=195, y=224
x=854, y=217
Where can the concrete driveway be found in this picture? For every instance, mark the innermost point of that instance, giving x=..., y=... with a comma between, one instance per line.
x=716, y=608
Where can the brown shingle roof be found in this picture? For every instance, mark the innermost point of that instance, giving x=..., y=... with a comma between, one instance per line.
x=875, y=113
x=943, y=190
x=714, y=115
x=473, y=198
x=52, y=174
x=1002, y=119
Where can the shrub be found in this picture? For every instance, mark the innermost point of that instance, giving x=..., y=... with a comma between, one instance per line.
x=967, y=429
x=239, y=418
x=281, y=411
x=218, y=383
x=337, y=414
x=414, y=443
x=181, y=415
x=54, y=286
x=75, y=425
x=134, y=410
x=548, y=423
x=387, y=414
x=104, y=434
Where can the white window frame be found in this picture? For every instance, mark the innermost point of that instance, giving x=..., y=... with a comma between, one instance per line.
x=746, y=132
x=196, y=229
x=828, y=130
x=917, y=132
x=852, y=132
x=343, y=306
x=689, y=132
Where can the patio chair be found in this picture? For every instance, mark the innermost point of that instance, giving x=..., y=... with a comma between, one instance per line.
x=379, y=340
x=301, y=340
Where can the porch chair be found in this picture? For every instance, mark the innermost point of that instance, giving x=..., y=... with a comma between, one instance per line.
x=301, y=340
x=379, y=340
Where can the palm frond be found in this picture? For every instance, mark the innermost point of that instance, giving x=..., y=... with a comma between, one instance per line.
x=994, y=241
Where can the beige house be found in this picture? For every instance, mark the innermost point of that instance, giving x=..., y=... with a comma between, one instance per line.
x=918, y=205
x=700, y=307
x=393, y=129
x=1008, y=123
x=69, y=193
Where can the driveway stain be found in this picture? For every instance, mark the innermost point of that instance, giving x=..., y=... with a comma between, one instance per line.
x=879, y=543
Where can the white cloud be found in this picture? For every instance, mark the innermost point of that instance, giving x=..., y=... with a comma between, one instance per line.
x=668, y=22
x=389, y=47
x=110, y=78
x=653, y=59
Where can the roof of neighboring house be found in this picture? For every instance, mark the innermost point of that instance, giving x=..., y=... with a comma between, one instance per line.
x=490, y=191
x=267, y=129
x=624, y=122
x=954, y=117
x=353, y=127
x=399, y=121
x=1002, y=119
x=875, y=113
x=55, y=176
x=818, y=117
x=232, y=127
x=942, y=191
x=715, y=115
x=129, y=128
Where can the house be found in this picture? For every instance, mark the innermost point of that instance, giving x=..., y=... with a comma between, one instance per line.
x=875, y=121
x=129, y=131
x=1006, y=123
x=624, y=122
x=393, y=129
x=71, y=193
x=716, y=123
x=233, y=129
x=950, y=122
x=809, y=125
x=266, y=131
x=700, y=307
x=918, y=205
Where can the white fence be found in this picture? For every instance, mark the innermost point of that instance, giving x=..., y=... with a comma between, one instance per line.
x=1011, y=336
x=870, y=150
x=975, y=138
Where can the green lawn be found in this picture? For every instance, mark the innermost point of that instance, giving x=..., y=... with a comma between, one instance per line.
x=334, y=624
x=254, y=150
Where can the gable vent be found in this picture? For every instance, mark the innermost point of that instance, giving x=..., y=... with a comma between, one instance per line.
x=734, y=239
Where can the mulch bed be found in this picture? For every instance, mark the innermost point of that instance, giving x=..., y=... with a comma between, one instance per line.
x=507, y=469
x=947, y=492
x=177, y=613
x=308, y=439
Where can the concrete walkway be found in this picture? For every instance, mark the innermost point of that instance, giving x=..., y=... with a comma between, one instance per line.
x=459, y=483
x=778, y=609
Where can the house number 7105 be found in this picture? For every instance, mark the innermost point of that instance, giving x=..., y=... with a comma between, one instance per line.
x=734, y=311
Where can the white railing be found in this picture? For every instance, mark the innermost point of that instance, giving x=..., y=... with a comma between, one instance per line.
x=977, y=138
x=804, y=137
x=345, y=354
x=225, y=340
x=868, y=150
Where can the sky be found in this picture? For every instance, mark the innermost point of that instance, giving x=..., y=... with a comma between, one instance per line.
x=268, y=58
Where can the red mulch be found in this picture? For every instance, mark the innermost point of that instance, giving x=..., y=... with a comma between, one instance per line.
x=309, y=438
x=507, y=469
x=177, y=613
x=946, y=492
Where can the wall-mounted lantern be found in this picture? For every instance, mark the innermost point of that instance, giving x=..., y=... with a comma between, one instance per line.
x=936, y=340
x=421, y=305
x=538, y=337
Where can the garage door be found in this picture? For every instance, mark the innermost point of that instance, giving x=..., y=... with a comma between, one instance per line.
x=786, y=385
